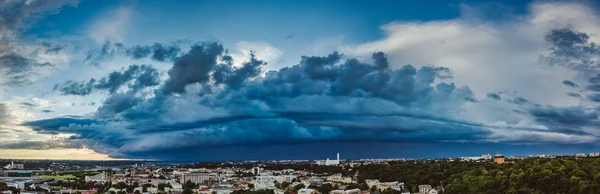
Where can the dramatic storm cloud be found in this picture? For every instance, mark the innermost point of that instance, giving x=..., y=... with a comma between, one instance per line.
x=121, y=82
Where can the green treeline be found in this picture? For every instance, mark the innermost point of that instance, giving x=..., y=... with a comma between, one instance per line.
x=534, y=175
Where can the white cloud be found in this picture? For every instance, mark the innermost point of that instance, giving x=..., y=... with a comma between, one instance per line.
x=488, y=56
x=262, y=50
x=111, y=26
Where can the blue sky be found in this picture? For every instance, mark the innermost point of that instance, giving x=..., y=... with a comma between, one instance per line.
x=234, y=80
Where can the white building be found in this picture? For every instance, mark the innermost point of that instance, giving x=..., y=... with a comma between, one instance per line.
x=264, y=182
x=307, y=191
x=197, y=178
x=398, y=186
x=13, y=166
x=96, y=178
x=285, y=178
x=329, y=162
x=350, y=191
x=256, y=170
x=424, y=189
x=223, y=190
x=486, y=156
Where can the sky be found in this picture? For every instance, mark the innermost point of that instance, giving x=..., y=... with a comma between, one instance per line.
x=271, y=80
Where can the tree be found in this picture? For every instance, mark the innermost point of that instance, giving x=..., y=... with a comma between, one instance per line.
x=325, y=188
x=162, y=186
x=189, y=185
x=299, y=186
x=137, y=192
x=187, y=191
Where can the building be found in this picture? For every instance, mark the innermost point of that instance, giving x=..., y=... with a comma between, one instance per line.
x=371, y=182
x=580, y=155
x=285, y=178
x=197, y=178
x=424, y=189
x=256, y=170
x=433, y=191
x=499, y=159
x=594, y=154
x=338, y=178
x=264, y=182
x=398, y=186
x=486, y=156
x=279, y=191
x=96, y=178
x=329, y=162
x=13, y=166
x=470, y=158
x=223, y=190
x=307, y=191
x=350, y=191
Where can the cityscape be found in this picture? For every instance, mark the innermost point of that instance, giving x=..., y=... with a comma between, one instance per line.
x=299, y=96
x=337, y=176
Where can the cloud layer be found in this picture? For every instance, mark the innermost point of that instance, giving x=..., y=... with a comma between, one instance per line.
x=531, y=79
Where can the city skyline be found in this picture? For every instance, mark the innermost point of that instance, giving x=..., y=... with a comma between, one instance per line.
x=269, y=80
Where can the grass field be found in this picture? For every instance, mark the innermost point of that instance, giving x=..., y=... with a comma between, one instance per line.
x=68, y=176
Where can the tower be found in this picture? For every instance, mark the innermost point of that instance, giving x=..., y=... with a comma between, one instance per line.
x=338, y=157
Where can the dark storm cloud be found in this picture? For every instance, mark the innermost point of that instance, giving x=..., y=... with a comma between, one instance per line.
x=519, y=100
x=38, y=145
x=573, y=49
x=193, y=67
x=574, y=94
x=17, y=68
x=116, y=104
x=20, y=70
x=234, y=77
x=570, y=83
x=157, y=52
x=135, y=77
x=57, y=125
x=569, y=119
x=321, y=99
x=28, y=104
x=299, y=103
x=71, y=87
x=494, y=96
x=594, y=97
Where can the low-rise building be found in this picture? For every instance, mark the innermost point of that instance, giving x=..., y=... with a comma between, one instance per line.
x=197, y=178
x=307, y=191
x=96, y=178
x=424, y=189
x=350, y=191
